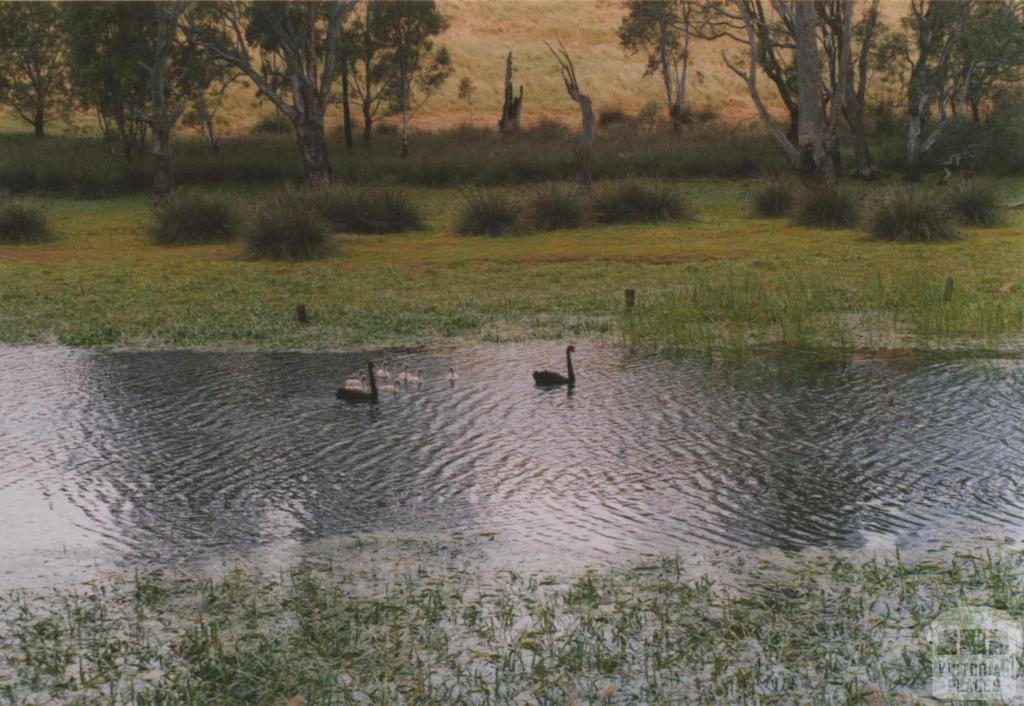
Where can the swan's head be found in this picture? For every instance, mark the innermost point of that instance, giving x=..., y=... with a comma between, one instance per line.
x=570, y=349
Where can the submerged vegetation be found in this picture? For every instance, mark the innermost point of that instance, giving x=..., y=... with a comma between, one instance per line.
x=363, y=630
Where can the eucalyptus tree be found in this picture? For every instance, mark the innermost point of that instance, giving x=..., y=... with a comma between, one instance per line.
x=664, y=30
x=405, y=30
x=297, y=48
x=33, y=62
x=107, y=44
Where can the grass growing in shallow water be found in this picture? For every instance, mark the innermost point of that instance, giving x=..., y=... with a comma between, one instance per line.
x=823, y=630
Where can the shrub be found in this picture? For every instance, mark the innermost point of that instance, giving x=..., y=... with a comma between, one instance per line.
x=270, y=124
x=640, y=202
x=976, y=203
x=488, y=212
x=611, y=116
x=911, y=215
x=368, y=210
x=556, y=206
x=17, y=178
x=772, y=198
x=287, y=227
x=192, y=218
x=21, y=222
x=827, y=206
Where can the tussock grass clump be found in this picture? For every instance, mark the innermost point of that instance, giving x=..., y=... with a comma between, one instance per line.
x=976, y=203
x=17, y=178
x=21, y=223
x=827, y=206
x=640, y=202
x=488, y=212
x=607, y=117
x=911, y=215
x=556, y=206
x=773, y=198
x=288, y=228
x=194, y=218
x=368, y=210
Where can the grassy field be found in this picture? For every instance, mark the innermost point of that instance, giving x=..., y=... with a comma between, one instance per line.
x=418, y=623
x=725, y=281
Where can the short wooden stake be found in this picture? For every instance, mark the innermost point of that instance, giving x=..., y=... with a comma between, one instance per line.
x=301, y=314
x=948, y=294
x=630, y=298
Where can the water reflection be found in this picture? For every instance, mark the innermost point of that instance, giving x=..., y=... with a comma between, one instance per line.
x=115, y=457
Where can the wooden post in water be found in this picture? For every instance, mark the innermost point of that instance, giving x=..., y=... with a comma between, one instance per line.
x=630, y=298
x=301, y=314
x=948, y=294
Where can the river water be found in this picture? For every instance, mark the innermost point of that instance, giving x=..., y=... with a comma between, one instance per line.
x=110, y=460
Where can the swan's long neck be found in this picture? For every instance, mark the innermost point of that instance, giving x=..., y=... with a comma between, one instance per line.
x=568, y=364
x=373, y=382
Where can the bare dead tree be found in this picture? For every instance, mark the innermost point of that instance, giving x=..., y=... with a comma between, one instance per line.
x=511, y=111
x=583, y=150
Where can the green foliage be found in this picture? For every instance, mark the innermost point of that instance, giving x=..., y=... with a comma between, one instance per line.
x=828, y=207
x=107, y=42
x=912, y=215
x=21, y=223
x=287, y=227
x=976, y=203
x=773, y=197
x=194, y=218
x=33, y=62
x=488, y=212
x=633, y=201
x=556, y=206
x=367, y=210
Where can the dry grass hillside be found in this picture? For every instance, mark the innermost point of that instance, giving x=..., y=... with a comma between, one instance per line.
x=482, y=32
x=480, y=35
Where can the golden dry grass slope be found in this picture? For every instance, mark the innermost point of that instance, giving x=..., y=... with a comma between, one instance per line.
x=482, y=32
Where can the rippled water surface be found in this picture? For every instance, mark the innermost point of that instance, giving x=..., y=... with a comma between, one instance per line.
x=115, y=458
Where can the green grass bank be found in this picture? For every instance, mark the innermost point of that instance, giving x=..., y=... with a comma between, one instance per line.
x=722, y=281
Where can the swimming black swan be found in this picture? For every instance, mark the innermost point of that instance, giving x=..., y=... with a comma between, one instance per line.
x=360, y=395
x=547, y=378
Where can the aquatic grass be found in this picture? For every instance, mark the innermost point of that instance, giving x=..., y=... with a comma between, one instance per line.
x=819, y=312
x=287, y=227
x=911, y=214
x=22, y=222
x=556, y=206
x=194, y=218
x=489, y=212
x=827, y=206
x=633, y=201
x=358, y=628
x=976, y=203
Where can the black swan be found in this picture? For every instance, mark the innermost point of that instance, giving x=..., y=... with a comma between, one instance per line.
x=547, y=378
x=360, y=395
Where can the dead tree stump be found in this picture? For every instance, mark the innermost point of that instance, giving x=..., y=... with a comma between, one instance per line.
x=512, y=110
